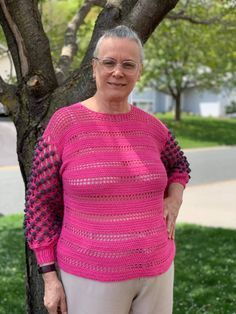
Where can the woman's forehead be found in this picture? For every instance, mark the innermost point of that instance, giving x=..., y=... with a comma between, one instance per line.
x=119, y=46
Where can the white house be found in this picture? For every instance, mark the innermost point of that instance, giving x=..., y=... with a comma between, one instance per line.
x=208, y=102
x=200, y=102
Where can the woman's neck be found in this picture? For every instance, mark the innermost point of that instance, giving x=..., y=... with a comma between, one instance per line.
x=99, y=104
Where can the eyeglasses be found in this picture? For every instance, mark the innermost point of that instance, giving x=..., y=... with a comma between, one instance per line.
x=127, y=66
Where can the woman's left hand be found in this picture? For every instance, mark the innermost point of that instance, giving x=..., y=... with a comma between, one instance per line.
x=171, y=210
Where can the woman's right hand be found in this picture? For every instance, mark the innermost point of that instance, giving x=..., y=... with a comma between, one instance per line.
x=54, y=295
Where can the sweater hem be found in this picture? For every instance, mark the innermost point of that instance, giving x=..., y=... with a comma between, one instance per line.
x=121, y=276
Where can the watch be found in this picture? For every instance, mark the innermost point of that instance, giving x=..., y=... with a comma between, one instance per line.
x=46, y=268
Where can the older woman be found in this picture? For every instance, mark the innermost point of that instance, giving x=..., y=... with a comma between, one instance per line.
x=105, y=190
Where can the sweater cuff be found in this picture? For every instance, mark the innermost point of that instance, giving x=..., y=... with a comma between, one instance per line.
x=180, y=181
x=45, y=255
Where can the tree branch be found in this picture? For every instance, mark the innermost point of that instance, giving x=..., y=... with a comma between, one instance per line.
x=32, y=53
x=80, y=85
x=181, y=16
x=8, y=96
x=150, y=13
x=70, y=47
x=18, y=38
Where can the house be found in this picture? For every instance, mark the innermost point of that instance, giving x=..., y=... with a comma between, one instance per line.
x=199, y=102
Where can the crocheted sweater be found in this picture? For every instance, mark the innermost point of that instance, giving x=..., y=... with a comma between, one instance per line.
x=95, y=196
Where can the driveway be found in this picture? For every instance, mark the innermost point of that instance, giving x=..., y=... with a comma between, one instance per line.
x=212, y=205
x=210, y=198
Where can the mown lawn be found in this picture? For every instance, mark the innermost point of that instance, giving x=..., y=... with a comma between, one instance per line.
x=195, y=131
x=12, y=265
x=205, y=279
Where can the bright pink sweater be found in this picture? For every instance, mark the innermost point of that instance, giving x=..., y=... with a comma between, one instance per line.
x=95, y=195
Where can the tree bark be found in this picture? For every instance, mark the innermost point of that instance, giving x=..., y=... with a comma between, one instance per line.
x=177, y=99
x=70, y=47
x=37, y=95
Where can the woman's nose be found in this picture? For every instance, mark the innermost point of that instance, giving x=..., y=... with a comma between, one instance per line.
x=118, y=71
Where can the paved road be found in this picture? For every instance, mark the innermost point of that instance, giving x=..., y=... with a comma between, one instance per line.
x=11, y=190
x=11, y=183
x=211, y=165
x=7, y=143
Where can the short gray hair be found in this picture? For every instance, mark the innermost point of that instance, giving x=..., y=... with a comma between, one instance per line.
x=120, y=31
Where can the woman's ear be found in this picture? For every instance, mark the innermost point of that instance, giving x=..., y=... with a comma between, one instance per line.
x=140, y=72
x=94, y=68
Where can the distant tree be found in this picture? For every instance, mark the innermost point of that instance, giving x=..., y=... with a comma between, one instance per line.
x=193, y=47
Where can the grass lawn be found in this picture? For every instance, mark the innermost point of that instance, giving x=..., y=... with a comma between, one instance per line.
x=205, y=279
x=195, y=131
x=12, y=265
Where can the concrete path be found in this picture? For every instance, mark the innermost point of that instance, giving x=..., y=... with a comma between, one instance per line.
x=211, y=205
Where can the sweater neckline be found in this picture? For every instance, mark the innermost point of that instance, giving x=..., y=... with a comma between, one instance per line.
x=105, y=114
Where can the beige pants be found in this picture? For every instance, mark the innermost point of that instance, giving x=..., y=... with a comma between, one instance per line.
x=150, y=295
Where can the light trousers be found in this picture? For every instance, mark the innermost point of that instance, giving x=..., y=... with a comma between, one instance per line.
x=148, y=295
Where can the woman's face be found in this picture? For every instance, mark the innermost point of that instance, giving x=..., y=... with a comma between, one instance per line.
x=116, y=81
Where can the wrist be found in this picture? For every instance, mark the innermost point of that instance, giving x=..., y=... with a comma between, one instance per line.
x=175, y=191
x=46, y=268
x=50, y=277
x=176, y=198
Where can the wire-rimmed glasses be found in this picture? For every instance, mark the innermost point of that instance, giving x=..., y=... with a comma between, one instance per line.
x=127, y=66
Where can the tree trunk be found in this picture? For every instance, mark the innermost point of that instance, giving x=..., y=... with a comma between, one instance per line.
x=37, y=95
x=177, y=99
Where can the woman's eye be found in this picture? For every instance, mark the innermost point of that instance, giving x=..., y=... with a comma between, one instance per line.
x=129, y=65
x=109, y=63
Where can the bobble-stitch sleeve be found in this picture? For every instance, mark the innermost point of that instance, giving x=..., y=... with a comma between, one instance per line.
x=44, y=195
x=176, y=164
x=44, y=202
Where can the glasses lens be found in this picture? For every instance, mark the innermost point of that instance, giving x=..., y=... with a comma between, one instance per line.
x=129, y=66
x=110, y=64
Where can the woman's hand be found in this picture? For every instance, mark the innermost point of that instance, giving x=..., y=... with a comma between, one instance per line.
x=171, y=210
x=54, y=295
x=172, y=205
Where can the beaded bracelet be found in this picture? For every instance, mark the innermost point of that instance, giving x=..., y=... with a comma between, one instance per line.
x=46, y=268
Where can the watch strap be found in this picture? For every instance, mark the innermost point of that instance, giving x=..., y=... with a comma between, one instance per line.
x=46, y=268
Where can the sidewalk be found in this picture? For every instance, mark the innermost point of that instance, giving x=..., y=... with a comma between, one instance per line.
x=211, y=205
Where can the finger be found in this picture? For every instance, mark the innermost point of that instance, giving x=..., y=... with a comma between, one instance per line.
x=172, y=232
x=165, y=213
x=170, y=227
x=173, y=236
x=63, y=306
x=51, y=309
x=169, y=222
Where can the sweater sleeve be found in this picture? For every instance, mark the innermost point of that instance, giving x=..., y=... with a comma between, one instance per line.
x=44, y=201
x=176, y=164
